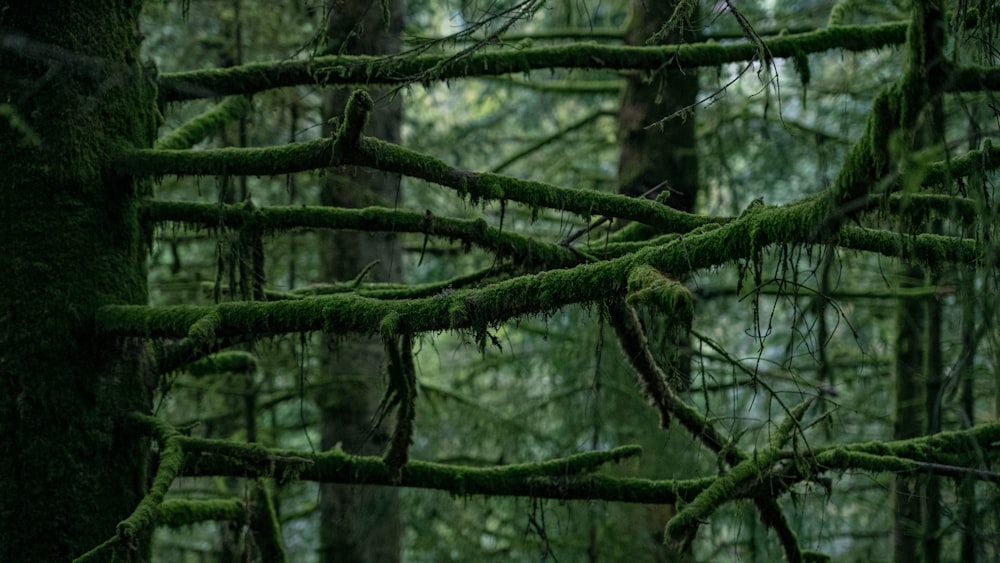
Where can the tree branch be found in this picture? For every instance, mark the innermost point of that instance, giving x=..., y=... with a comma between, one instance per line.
x=523, y=250
x=367, y=70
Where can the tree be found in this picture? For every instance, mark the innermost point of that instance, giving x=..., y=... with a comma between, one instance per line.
x=360, y=524
x=87, y=465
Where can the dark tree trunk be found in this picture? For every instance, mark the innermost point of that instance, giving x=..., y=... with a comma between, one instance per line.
x=665, y=152
x=661, y=156
x=359, y=524
x=72, y=91
x=909, y=420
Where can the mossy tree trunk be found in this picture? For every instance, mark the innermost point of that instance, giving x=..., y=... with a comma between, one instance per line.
x=359, y=524
x=72, y=92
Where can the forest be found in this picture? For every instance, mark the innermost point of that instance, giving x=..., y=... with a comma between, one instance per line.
x=499, y=280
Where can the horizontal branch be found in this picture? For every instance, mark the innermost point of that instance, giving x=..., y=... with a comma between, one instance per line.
x=366, y=70
x=552, y=479
x=522, y=249
x=175, y=513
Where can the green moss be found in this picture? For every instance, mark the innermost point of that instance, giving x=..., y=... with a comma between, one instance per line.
x=175, y=513
x=649, y=287
x=144, y=517
x=297, y=157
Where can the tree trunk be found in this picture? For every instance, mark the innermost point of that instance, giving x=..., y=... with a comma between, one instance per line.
x=359, y=524
x=71, y=244
x=935, y=381
x=909, y=415
x=665, y=152
x=662, y=156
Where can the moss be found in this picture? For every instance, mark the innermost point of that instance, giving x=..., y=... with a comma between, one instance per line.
x=296, y=157
x=393, y=158
x=530, y=294
x=565, y=478
x=175, y=513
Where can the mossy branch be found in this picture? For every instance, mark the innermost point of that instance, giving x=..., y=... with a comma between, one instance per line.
x=682, y=528
x=368, y=70
x=851, y=194
x=170, y=356
x=523, y=250
x=267, y=161
x=393, y=290
x=652, y=288
x=208, y=123
x=144, y=517
x=981, y=440
x=786, y=430
x=567, y=479
x=652, y=380
x=974, y=79
x=176, y=513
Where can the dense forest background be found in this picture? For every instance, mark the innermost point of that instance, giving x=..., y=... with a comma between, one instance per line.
x=786, y=299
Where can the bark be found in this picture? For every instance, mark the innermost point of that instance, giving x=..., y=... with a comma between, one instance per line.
x=359, y=524
x=71, y=244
